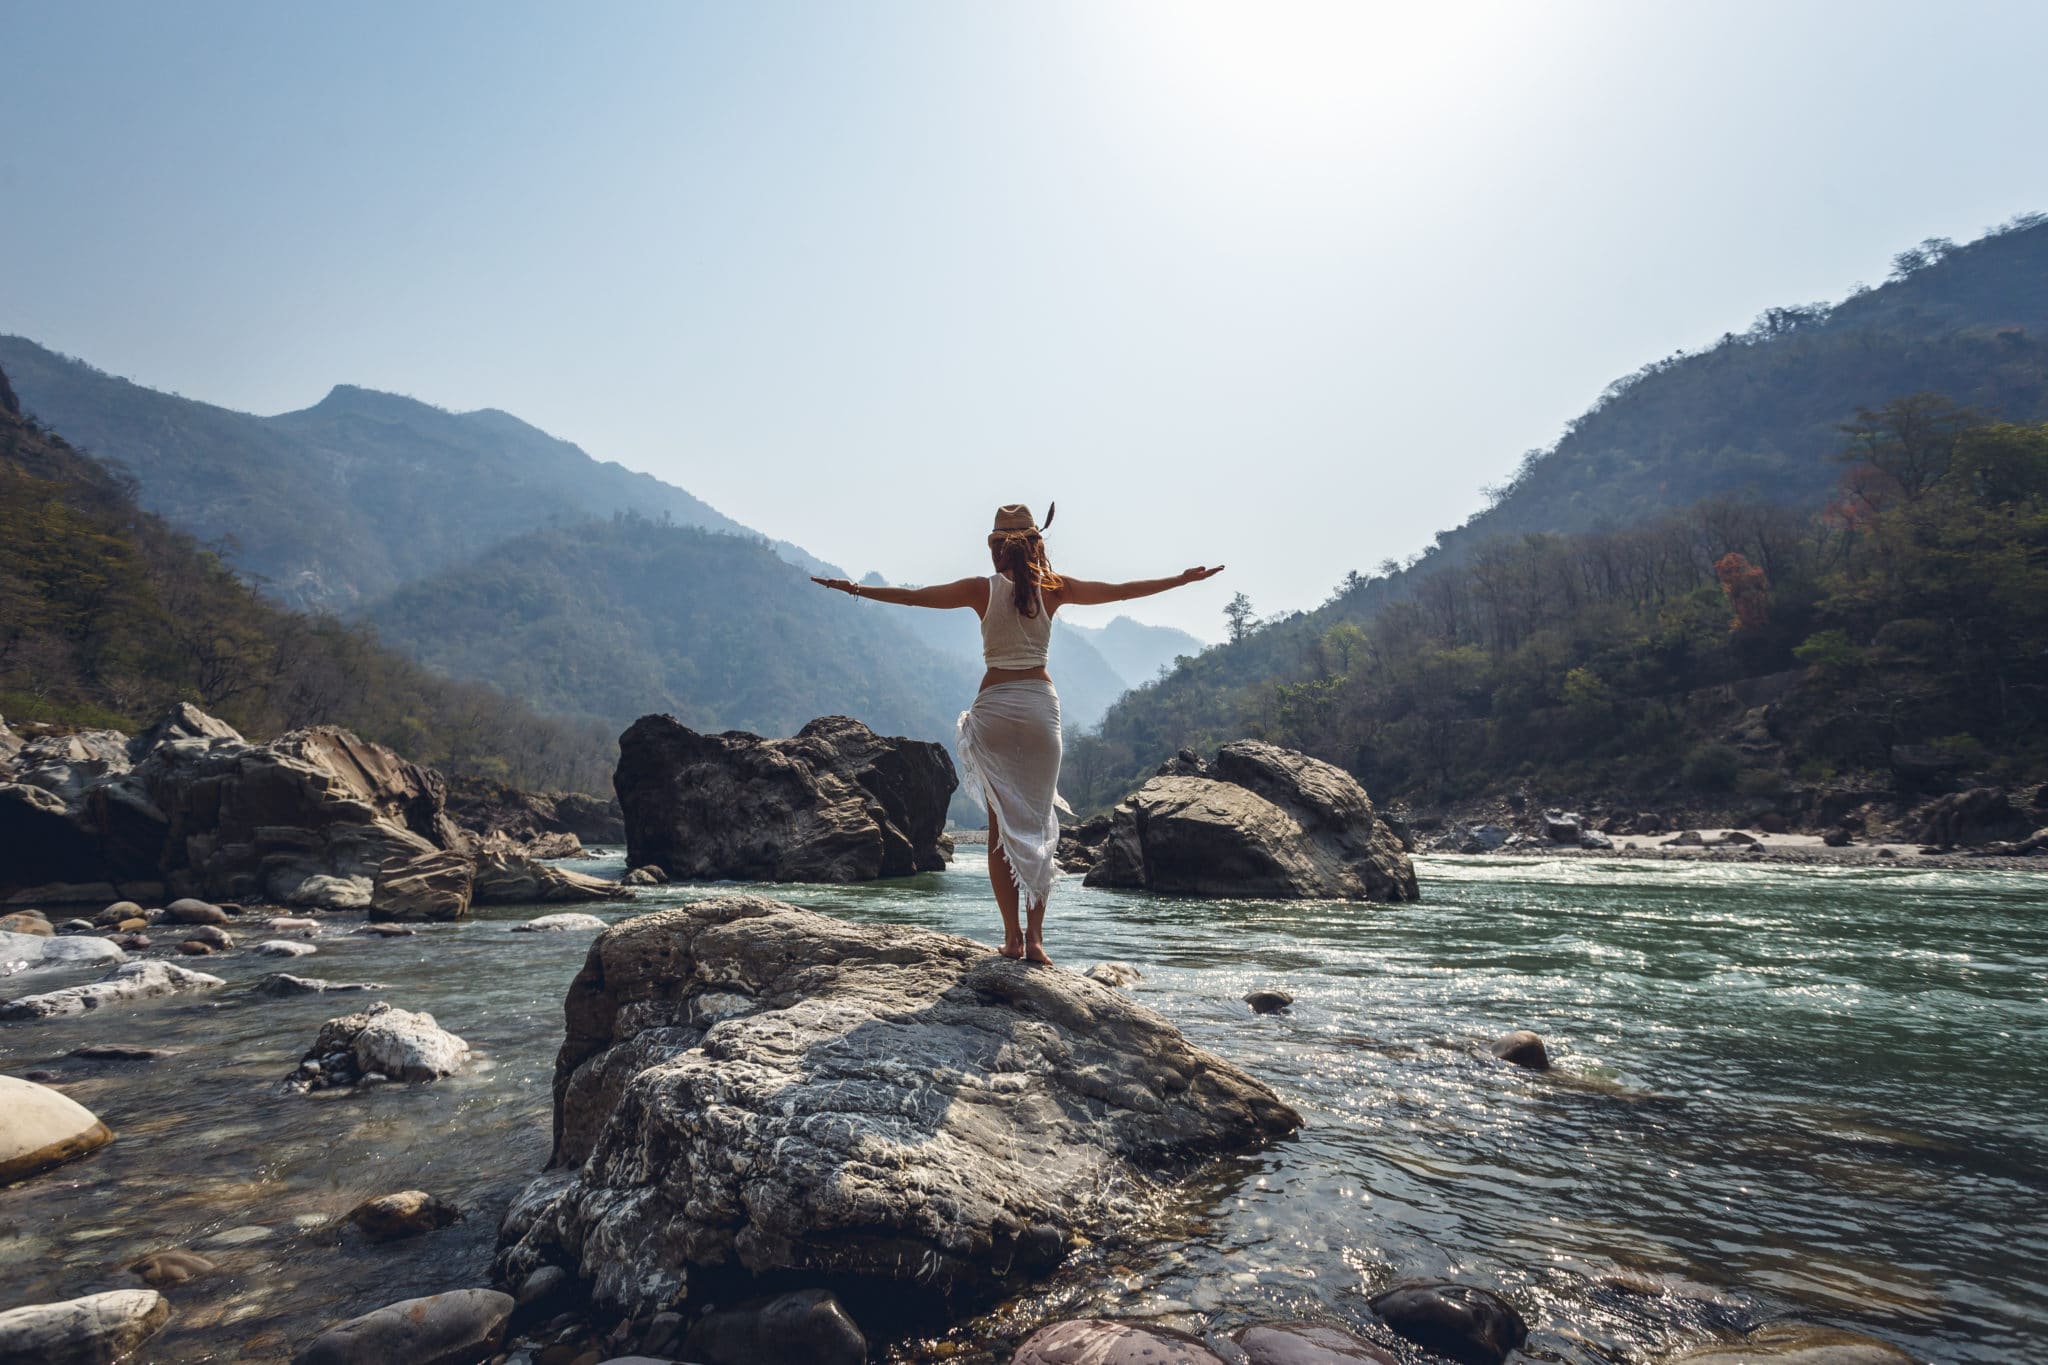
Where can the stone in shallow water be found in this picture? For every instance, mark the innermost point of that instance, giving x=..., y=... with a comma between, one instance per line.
x=127, y=983
x=1795, y=1343
x=464, y=1325
x=1115, y=974
x=809, y=1325
x=1099, y=1341
x=95, y=1330
x=162, y=1269
x=37, y=953
x=190, y=911
x=1523, y=1048
x=282, y=947
x=1268, y=1002
x=405, y=1214
x=1307, y=1343
x=1470, y=1325
x=558, y=923
x=284, y=983
x=896, y=1105
x=122, y=1052
x=33, y=923
x=40, y=1128
x=405, y=1045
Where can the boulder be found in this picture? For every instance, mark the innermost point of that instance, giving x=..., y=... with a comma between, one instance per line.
x=1593, y=840
x=750, y=1088
x=1100, y=1341
x=195, y=912
x=1080, y=846
x=808, y=1325
x=836, y=803
x=193, y=947
x=1115, y=974
x=1260, y=821
x=1268, y=1002
x=282, y=947
x=463, y=1327
x=650, y=875
x=98, y=1329
x=1307, y=1343
x=1838, y=837
x=593, y=819
x=1690, y=838
x=401, y=1045
x=555, y=924
x=1522, y=1048
x=315, y=817
x=1794, y=1343
x=40, y=1128
x=38, y=953
x=507, y=874
x=1561, y=827
x=33, y=923
x=212, y=936
x=127, y=983
x=562, y=845
x=405, y=1214
x=1468, y=1324
x=1977, y=816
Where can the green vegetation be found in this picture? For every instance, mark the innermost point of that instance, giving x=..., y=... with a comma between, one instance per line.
x=614, y=619
x=1539, y=641
x=108, y=616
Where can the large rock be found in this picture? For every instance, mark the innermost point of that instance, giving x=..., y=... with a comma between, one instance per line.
x=1104, y=1341
x=1977, y=816
x=39, y=952
x=126, y=984
x=837, y=803
x=40, y=1128
x=1794, y=1343
x=530, y=817
x=317, y=817
x=98, y=1329
x=1471, y=1325
x=463, y=1327
x=749, y=1088
x=507, y=874
x=1260, y=821
x=401, y=1045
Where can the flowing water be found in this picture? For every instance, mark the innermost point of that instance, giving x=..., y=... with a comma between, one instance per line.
x=1811, y=1092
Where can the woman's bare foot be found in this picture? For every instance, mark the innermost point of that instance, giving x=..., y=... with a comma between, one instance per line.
x=1013, y=948
x=1034, y=951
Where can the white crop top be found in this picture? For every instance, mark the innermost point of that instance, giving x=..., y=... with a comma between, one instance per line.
x=1009, y=640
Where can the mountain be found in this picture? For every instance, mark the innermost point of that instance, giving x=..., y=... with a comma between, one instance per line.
x=348, y=499
x=613, y=619
x=1607, y=569
x=1137, y=651
x=108, y=616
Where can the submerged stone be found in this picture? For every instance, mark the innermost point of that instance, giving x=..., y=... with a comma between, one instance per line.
x=41, y=1128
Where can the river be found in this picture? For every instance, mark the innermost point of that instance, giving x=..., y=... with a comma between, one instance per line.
x=1777, y=1091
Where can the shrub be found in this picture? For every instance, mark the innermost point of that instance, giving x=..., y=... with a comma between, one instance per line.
x=1712, y=767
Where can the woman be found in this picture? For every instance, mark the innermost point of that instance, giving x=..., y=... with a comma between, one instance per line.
x=1010, y=738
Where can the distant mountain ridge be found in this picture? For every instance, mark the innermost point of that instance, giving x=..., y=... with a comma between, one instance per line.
x=347, y=500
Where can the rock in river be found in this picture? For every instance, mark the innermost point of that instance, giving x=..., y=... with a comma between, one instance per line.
x=1795, y=1343
x=836, y=803
x=1523, y=1048
x=405, y=1214
x=462, y=1327
x=1307, y=1343
x=40, y=1128
x=283, y=947
x=1462, y=1321
x=127, y=983
x=555, y=924
x=750, y=1087
x=809, y=1325
x=36, y=953
x=400, y=1045
x=98, y=1329
x=1102, y=1341
x=1260, y=821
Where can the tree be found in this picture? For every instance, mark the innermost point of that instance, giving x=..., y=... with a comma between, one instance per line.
x=1240, y=616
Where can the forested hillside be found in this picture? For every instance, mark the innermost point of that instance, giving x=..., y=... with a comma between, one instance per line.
x=107, y=616
x=1597, y=583
x=614, y=619
x=346, y=500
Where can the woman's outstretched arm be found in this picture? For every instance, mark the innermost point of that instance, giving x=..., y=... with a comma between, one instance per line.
x=967, y=592
x=1081, y=592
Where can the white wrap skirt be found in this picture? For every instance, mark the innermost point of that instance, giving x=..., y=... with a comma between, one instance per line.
x=1010, y=759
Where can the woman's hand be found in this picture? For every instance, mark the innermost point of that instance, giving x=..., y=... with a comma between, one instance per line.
x=1198, y=573
x=836, y=584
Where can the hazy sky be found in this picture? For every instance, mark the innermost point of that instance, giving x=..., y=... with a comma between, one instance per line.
x=1278, y=285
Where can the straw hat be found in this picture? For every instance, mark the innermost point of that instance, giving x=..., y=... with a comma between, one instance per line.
x=1016, y=516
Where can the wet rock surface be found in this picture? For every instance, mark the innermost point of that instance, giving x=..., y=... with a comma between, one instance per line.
x=1261, y=821
x=809, y=1325
x=98, y=1329
x=557, y=924
x=379, y=1043
x=126, y=984
x=44, y=953
x=1307, y=1343
x=462, y=1327
x=747, y=1086
x=41, y=1128
x=1463, y=1322
x=163, y=1269
x=1523, y=1048
x=407, y=1213
x=1102, y=1341
x=1793, y=1343
x=835, y=803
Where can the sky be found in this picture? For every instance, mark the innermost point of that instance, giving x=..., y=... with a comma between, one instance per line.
x=1279, y=285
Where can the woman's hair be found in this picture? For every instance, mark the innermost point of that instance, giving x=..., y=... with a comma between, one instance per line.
x=1021, y=555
